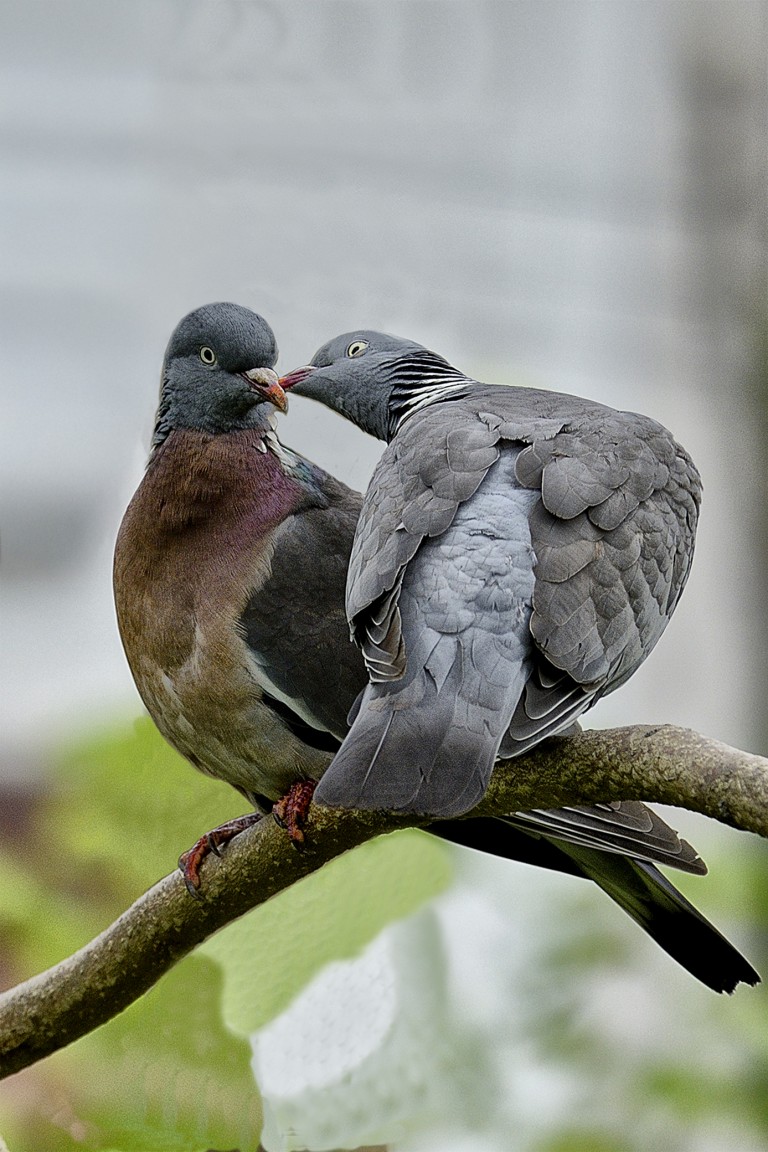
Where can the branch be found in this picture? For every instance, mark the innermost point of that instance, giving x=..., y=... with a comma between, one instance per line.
x=666, y=764
x=647, y=762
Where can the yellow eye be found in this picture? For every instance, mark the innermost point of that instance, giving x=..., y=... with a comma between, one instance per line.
x=356, y=347
x=207, y=355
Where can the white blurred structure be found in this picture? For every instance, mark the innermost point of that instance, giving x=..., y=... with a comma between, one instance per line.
x=371, y=1052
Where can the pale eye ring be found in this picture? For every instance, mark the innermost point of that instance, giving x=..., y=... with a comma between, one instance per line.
x=357, y=347
x=207, y=355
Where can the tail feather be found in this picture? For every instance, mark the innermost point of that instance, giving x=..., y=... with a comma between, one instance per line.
x=626, y=827
x=672, y=921
x=637, y=886
x=378, y=765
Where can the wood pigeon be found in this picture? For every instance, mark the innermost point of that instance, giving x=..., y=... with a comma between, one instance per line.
x=519, y=553
x=229, y=578
x=226, y=529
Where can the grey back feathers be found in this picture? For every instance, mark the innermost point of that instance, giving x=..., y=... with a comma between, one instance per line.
x=519, y=554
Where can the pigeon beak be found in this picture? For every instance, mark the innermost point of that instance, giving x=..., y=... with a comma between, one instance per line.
x=297, y=376
x=265, y=382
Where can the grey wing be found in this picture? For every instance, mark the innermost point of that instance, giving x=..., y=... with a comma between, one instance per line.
x=295, y=625
x=613, y=535
x=427, y=741
x=433, y=465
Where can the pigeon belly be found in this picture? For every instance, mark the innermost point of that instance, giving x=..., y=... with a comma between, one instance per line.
x=232, y=735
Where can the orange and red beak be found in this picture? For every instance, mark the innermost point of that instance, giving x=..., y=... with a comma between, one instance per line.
x=266, y=383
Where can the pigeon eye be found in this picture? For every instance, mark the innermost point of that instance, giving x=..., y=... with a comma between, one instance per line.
x=207, y=355
x=356, y=347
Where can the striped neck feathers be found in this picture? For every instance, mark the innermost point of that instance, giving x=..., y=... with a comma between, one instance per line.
x=419, y=380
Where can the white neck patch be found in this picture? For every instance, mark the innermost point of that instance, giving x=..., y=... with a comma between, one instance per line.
x=430, y=392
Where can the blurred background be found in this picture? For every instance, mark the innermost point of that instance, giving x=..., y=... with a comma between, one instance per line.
x=558, y=193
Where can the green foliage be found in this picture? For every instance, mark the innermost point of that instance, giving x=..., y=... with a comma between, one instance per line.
x=330, y=915
x=584, y=1141
x=177, y=1078
x=125, y=805
x=169, y=1075
x=172, y=1073
x=165, y=1076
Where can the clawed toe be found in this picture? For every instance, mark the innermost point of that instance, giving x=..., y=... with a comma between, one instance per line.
x=191, y=861
x=291, y=811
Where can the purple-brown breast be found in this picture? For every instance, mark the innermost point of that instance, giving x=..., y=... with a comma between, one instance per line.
x=193, y=535
x=195, y=543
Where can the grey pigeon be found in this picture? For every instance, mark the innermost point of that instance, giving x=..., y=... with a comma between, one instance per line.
x=230, y=568
x=518, y=555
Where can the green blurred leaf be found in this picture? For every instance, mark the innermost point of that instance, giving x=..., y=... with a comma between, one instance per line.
x=129, y=805
x=583, y=1141
x=38, y=924
x=165, y=1076
x=271, y=953
x=169, y=1074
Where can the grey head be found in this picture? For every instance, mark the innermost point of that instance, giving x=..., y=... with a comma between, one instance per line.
x=375, y=380
x=218, y=373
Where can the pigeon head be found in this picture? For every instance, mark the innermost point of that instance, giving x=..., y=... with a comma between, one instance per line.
x=373, y=379
x=217, y=373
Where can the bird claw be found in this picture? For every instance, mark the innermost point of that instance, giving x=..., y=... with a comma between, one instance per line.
x=189, y=884
x=291, y=811
x=189, y=866
x=191, y=861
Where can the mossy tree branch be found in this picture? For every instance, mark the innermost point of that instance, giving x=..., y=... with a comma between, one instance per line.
x=666, y=764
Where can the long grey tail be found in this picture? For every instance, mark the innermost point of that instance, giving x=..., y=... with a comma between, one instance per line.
x=637, y=886
x=424, y=744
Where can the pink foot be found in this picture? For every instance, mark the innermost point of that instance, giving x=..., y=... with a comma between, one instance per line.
x=190, y=861
x=291, y=812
